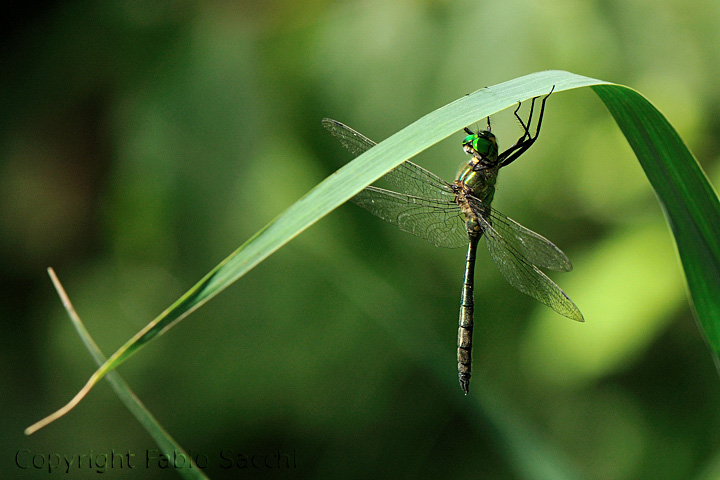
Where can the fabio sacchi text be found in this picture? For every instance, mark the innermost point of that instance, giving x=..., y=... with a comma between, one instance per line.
x=113, y=459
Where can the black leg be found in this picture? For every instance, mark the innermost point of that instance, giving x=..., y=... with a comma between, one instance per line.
x=526, y=128
x=526, y=140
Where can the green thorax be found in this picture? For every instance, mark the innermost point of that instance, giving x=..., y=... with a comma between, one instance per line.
x=478, y=176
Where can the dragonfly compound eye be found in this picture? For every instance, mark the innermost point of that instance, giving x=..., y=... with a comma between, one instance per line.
x=469, y=140
x=483, y=143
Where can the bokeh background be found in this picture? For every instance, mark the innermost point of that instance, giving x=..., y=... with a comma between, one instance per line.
x=143, y=142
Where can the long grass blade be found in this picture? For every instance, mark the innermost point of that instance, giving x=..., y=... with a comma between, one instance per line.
x=167, y=444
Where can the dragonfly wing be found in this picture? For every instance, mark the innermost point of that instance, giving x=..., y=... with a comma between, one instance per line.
x=407, y=177
x=414, y=180
x=351, y=139
x=522, y=241
x=439, y=222
x=525, y=276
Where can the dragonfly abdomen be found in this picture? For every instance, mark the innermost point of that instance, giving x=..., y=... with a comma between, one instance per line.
x=465, y=322
x=464, y=354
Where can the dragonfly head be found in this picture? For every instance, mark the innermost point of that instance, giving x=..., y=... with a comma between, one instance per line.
x=482, y=145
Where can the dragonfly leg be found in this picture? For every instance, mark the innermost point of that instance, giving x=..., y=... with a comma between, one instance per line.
x=526, y=140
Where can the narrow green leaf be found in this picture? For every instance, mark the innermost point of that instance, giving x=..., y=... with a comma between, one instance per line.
x=642, y=124
x=167, y=444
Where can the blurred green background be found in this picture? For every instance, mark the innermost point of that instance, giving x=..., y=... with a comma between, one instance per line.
x=143, y=142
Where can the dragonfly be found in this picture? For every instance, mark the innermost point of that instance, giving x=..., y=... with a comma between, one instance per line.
x=459, y=214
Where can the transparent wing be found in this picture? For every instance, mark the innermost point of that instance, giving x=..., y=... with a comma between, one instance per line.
x=425, y=204
x=439, y=222
x=408, y=177
x=414, y=180
x=522, y=274
x=536, y=249
x=354, y=141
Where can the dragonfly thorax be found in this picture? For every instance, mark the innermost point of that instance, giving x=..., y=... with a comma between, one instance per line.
x=478, y=179
x=473, y=203
x=479, y=175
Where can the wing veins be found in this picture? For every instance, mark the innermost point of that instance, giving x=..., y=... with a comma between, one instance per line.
x=525, y=276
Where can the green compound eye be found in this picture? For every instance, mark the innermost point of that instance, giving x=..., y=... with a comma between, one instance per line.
x=483, y=143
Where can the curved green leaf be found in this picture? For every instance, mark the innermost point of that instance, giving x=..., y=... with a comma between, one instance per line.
x=690, y=203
